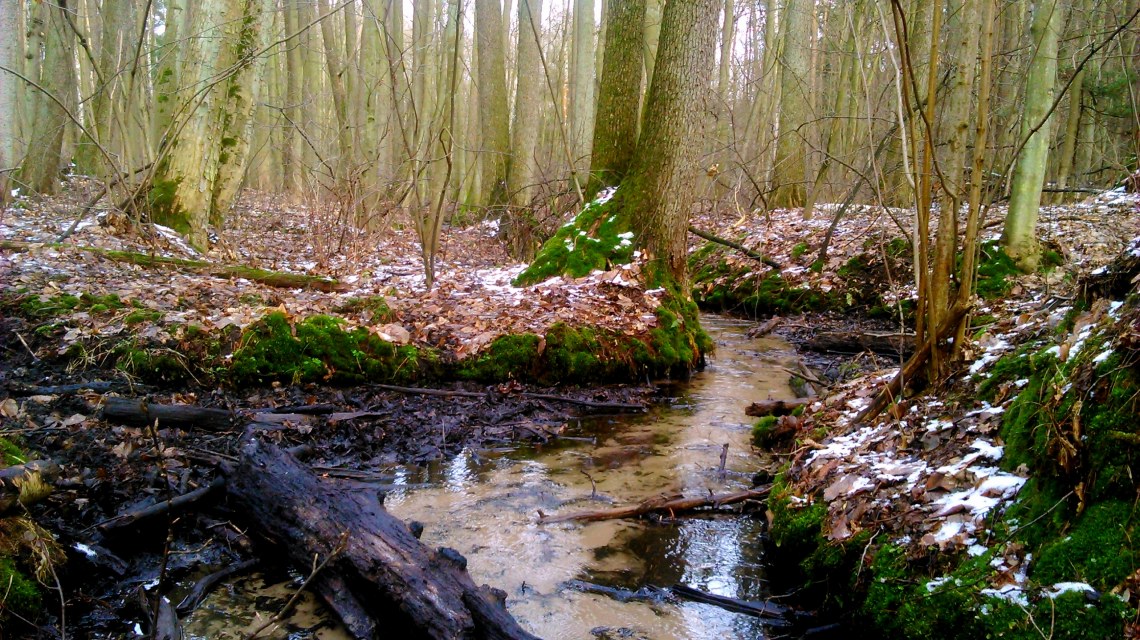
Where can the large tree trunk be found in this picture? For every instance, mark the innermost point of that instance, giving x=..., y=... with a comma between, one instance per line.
x=658, y=192
x=615, y=130
x=524, y=134
x=789, y=172
x=1018, y=237
x=582, y=87
x=40, y=169
x=375, y=574
x=202, y=165
x=9, y=58
x=493, y=112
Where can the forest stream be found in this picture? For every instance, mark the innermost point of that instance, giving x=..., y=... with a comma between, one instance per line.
x=485, y=505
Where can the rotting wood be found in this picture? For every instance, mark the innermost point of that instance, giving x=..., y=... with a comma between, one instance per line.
x=768, y=326
x=269, y=278
x=889, y=344
x=20, y=389
x=759, y=257
x=774, y=615
x=136, y=516
x=457, y=393
x=644, y=594
x=139, y=412
x=668, y=505
x=775, y=407
x=894, y=389
x=384, y=581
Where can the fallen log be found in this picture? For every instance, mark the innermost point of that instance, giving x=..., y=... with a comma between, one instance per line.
x=26, y=483
x=135, y=516
x=382, y=581
x=138, y=412
x=849, y=342
x=644, y=594
x=269, y=278
x=669, y=505
x=456, y=393
x=774, y=615
x=775, y=407
x=759, y=257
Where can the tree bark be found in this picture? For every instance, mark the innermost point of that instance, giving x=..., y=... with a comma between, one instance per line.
x=1019, y=234
x=377, y=576
x=582, y=103
x=493, y=111
x=10, y=11
x=789, y=172
x=196, y=181
x=44, y=159
x=615, y=129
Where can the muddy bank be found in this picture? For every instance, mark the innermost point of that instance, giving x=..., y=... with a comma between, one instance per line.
x=108, y=468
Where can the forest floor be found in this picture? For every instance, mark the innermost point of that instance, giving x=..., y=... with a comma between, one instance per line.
x=927, y=469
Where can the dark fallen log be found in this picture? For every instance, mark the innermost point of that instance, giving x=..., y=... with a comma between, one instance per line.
x=20, y=389
x=135, y=516
x=768, y=326
x=775, y=407
x=26, y=484
x=736, y=245
x=138, y=412
x=456, y=393
x=888, y=344
x=381, y=580
x=773, y=614
x=202, y=587
x=668, y=505
x=644, y=594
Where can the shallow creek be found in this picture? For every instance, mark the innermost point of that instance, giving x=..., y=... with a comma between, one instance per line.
x=485, y=505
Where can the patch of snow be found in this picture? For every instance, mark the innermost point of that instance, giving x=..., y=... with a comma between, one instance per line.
x=976, y=550
x=85, y=550
x=1067, y=587
x=1102, y=356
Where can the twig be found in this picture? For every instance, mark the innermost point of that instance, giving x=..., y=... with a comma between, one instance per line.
x=24, y=342
x=736, y=245
x=297, y=594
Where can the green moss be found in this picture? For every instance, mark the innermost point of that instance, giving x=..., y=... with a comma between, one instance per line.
x=508, y=357
x=762, y=431
x=10, y=453
x=162, y=202
x=18, y=594
x=320, y=349
x=800, y=249
x=596, y=239
x=1098, y=549
x=1050, y=260
x=899, y=604
x=996, y=272
x=142, y=315
x=377, y=305
x=1017, y=365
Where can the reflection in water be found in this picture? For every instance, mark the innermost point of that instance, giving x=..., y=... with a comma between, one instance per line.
x=486, y=508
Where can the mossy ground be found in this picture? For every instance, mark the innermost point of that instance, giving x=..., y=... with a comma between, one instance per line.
x=596, y=239
x=1072, y=428
x=752, y=290
x=22, y=545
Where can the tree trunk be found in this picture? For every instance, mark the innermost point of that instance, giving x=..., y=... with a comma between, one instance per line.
x=9, y=59
x=523, y=167
x=493, y=111
x=789, y=173
x=658, y=192
x=615, y=131
x=198, y=177
x=582, y=103
x=1018, y=237
x=43, y=161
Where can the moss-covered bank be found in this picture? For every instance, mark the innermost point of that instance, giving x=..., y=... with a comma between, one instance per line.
x=1069, y=542
x=328, y=350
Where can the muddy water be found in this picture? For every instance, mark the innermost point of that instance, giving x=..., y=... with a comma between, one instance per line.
x=486, y=507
